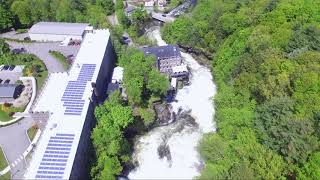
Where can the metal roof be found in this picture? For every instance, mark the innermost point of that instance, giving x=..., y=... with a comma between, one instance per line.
x=7, y=90
x=66, y=96
x=162, y=52
x=58, y=28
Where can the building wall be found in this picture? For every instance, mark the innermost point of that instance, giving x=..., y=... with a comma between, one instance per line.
x=51, y=37
x=85, y=153
x=165, y=65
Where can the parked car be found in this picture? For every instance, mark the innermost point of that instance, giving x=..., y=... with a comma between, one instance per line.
x=1, y=81
x=19, y=51
x=5, y=67
x=12, y=67
x=7, y=81
x=27, y=39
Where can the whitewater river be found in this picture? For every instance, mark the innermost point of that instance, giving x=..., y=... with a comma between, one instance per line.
x=170, y=152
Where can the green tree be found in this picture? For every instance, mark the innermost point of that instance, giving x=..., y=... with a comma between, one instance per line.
x=4, y=47
x=157, y=82
x=148, y=116
x=107, y=5
x=107, y=137
x=65, y=12
x=311, y=170
x=6, y=17
x=23, y=11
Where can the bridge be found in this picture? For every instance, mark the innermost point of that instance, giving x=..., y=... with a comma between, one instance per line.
x=162, y=17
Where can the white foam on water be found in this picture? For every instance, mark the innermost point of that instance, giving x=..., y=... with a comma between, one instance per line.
x=185, y=161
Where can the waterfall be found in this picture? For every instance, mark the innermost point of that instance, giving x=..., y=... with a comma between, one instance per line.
x=170, y=152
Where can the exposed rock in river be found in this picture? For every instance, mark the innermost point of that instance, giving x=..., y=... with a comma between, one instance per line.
x=163, y=113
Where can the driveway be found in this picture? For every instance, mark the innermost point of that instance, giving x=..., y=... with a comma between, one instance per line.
x=14, y=35
x=14, y=141
x=42, y=51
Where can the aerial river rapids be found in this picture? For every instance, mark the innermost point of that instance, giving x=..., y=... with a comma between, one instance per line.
x=170, y=152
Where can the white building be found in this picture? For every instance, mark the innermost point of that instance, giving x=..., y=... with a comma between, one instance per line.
x=57, y=31
x=63, y=148
x=117, y=75
x=162, y=3
x=148, y=3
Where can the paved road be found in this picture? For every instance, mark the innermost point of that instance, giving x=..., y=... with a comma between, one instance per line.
x=14, y=141
x=13, y=35
x=42, y=51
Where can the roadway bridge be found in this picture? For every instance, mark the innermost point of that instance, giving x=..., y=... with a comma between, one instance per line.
x=162, y=17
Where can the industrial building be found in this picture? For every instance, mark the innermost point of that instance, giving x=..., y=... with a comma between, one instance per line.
x=69, y=99
x=58, y=31
x=168, y=60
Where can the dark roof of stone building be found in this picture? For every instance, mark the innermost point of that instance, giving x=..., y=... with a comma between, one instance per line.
x=162, y=52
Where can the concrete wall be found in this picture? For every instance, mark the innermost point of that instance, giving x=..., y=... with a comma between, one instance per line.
x=51, y=37
x=85, y=153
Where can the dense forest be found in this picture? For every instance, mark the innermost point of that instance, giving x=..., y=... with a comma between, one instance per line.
x=266, y=63
x=24, y=13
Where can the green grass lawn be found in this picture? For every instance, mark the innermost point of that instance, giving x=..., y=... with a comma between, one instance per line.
x=4, y=116
x=32, y=132
x=41, y=79
x=6, y=176
x=3, y=161
x=62, y=59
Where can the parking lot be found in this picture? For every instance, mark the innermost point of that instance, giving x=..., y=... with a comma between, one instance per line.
x=10, y=76
x=42, y=49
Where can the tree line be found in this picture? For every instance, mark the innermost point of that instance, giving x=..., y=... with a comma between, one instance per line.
x=266, y=63
x=23, y=13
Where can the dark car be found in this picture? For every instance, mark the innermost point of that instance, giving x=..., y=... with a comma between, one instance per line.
x=7, y=81
x=1, y=81
x=12, y=67
x=6, y=67
x=27, y=39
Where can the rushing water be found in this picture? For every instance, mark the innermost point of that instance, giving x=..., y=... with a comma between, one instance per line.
x=170, y=152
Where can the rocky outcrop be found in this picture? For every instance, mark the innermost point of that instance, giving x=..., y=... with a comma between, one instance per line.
x=163, y=113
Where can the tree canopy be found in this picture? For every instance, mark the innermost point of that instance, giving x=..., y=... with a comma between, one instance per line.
x=266, y=63
x=24, y=13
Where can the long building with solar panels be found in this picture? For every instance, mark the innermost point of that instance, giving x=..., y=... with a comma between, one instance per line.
x=69, y=98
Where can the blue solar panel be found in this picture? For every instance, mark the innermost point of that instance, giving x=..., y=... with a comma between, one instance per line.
x=54, y=148
x=56, y=152
x=73, y=94
x=56, y=156
x=58, y=141
x=52, y=168
x=61, y=145
x=53, y=164
x=54, y=160
x=69, y=138
x=50, y=172
x=72, y=113
x=48, y=177
x=60, y=134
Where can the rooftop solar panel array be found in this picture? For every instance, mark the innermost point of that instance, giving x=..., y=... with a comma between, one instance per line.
x=55, y=157
x=72, y=96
